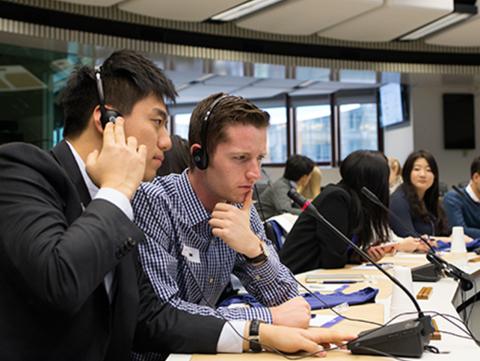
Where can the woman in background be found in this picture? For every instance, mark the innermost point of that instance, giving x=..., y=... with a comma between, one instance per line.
x=395, y=178
x=312, y=188
x=311, y=245
x=416, y=203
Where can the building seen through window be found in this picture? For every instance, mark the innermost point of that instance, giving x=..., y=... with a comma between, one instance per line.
x=182, y=122
x=358, y=128
x=277, y=135
x=314, y=137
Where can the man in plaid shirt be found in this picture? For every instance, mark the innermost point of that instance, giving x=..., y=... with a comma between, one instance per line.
x=200, y=225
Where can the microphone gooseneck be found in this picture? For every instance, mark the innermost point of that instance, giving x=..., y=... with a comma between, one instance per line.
x=407, y=338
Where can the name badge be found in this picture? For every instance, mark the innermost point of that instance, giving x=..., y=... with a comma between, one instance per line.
x=190, y=253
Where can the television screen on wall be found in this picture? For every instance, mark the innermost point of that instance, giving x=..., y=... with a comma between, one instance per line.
x=458, y=121
x=393, y=104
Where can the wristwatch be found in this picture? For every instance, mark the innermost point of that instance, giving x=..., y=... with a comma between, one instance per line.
x=253, y=337
x=262, y=257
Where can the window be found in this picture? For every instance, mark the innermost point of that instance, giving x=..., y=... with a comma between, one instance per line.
x=277, y=135
x=358, y=128
x=182, y=122
x=308, y=73
x=314, y=137
x=357, y=76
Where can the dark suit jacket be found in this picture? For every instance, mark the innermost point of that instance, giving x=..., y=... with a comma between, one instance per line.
x=53, y=260
x=311, y=245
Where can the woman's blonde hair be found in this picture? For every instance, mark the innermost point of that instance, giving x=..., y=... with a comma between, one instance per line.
x=312, y=188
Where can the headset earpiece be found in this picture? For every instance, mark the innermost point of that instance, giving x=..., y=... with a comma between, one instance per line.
x=106, y=115
x=200, y=158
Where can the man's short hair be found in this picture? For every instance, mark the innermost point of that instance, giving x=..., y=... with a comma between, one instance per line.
x=127, y=78
x=230, y=110
x=475, y=167
x=297, y=166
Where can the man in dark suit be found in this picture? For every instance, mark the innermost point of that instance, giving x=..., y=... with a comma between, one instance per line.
x=71, y=285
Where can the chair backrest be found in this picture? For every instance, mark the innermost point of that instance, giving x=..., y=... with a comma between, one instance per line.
x=274, y=233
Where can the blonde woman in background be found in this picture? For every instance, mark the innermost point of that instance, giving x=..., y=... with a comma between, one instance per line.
x=311, y=189
x=395, y=178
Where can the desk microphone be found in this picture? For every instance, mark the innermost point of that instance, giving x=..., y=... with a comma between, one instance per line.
x=432, y=271
x=407, y=338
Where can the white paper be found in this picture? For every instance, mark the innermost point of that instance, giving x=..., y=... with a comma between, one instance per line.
x=320, y=320
x=322, y=287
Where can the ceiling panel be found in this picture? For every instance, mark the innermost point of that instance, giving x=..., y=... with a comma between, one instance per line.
x=338, y=85
x=183, y=77
x=183, y=10
x=93, y=2
x=306, y=17
x=200, y=91
x=224, y=80
x=256, y=92
x=278, y=83
x=311, y=91
x=388, y=22
x=464, y=34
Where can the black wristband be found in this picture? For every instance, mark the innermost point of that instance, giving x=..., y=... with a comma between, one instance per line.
x=253, y=336
x=262, y=257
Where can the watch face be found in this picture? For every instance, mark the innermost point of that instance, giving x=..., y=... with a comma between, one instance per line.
x=254, y=344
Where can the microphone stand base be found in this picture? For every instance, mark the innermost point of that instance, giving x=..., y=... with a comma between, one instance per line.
x=402, y=339
x=426, y=273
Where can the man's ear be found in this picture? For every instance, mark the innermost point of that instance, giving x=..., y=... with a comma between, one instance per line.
x=96, y=119
x=476, y=177
x=195, y=147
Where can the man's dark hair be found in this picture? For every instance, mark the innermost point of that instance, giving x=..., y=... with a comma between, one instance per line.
x=297, y=166
x=231, y=110
x=127, y=78
x=475, y=167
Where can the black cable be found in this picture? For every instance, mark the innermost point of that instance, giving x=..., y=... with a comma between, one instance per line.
x=454, y=334
x=332, y=308
x=448, y=318
x=382, y=353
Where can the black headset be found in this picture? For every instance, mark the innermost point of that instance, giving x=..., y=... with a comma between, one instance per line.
x=106, y=115
x=200, y=155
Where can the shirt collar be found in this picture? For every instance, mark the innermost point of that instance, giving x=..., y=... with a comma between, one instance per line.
x=92, y=188
x=471, y=193
x=197, y=212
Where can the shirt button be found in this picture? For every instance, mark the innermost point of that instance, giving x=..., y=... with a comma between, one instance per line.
x=258, y=278
x=210, y=280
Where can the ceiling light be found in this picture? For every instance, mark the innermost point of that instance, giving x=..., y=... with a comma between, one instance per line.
x=461, y=13
x=243, y=9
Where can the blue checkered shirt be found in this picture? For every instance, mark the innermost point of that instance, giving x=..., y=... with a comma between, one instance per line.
x=171, y=216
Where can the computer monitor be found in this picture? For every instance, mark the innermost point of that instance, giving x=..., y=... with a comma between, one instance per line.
x=393, y=104
x=467, y=304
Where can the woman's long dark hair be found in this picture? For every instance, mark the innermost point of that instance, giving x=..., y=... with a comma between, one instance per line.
x=430, y=209
x=366, y=168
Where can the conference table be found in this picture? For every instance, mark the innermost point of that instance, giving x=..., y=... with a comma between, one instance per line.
x=439, y=300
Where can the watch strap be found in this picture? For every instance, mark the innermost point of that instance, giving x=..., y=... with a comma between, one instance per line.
x=253, y=336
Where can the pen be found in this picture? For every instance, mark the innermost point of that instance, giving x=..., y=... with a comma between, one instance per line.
x=339, y=282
